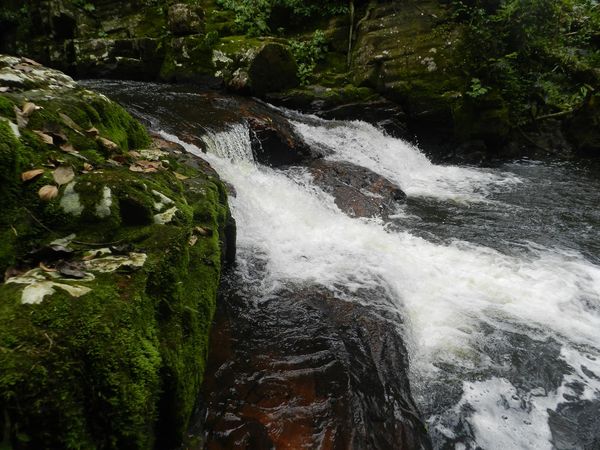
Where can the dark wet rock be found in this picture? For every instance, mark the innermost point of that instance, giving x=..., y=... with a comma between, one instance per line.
x=358, y=191
x=575, y=425
x=584, y=128
x=276, y=144
x=256, y=68
x=184, y=19
x=307, y=369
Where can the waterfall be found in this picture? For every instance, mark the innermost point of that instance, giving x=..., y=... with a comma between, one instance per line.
x=483, y=325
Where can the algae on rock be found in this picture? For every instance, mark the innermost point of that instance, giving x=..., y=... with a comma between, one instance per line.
x=104, y=313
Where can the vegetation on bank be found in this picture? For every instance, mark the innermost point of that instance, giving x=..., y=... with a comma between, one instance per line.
x=541, y=56
x=111, y=248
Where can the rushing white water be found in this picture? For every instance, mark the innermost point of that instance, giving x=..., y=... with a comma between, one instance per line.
x=451, y=295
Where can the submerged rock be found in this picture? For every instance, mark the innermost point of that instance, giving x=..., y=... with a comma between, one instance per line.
x=105, y=310
x=357, y=191
x=308, y=369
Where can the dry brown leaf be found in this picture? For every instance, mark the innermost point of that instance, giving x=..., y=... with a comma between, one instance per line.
x=23, y=68
x=29, y=108
x=68, y=148
x=70, y=123
x=63, y=175
x=31, y=61
x=44, y=137
x=107, y=144
x=180, y=176
x=48, y=192
x=31, y=174
x=88, y=167
x=45, y=268
x=136, y=168
x=135, y=154
x=93, y=132
x=193, y=240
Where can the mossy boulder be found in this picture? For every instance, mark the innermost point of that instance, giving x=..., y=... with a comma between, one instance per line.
x=111, y=276
x=256, y=67
x=185, y=19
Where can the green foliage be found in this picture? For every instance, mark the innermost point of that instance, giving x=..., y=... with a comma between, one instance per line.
x=253, y=16
x=477, y=90
x=308, y=54
x=538, y=54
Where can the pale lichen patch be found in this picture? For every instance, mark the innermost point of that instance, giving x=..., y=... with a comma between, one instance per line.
x=163, y=200
x=165, y=217
x=70, y=201
x=103, y=207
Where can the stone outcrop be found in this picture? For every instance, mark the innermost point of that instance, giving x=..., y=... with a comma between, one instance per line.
x=357, y=191
x=308, y=369
x=111, y=250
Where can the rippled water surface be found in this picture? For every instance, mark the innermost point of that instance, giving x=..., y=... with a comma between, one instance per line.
x=494, y=271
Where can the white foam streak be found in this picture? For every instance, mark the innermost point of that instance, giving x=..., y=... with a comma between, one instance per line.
x=400, y=162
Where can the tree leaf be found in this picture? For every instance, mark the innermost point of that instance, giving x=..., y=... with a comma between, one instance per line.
x=47, y=139
x=68, y=148
x=107, y=144
x=31, y=174
x=70, y=123
x=29, y=108
x=48, y=192
x=63, y=175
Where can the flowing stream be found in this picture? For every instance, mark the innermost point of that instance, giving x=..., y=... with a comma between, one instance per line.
x=494, y=271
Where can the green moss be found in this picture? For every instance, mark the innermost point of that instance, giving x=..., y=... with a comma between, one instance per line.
x=121, y=366
x=6, y=107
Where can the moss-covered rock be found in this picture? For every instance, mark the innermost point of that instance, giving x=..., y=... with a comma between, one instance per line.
x=111, y=284
x=254, y=66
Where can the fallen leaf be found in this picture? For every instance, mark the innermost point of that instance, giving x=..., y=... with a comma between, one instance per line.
x=59, y=136
x=107, y=144
x=193, y=240
x=63, y=175
x=4, y=88
x=68, y=148
x=31, y=174
x=12, y=272
x=48, y=192
x=180, y=176
x=203, y=231
x=92, y=132
x=30, y=61
x=135, y=154
x=29, y=108
x=71, y=270
x=135, y=168
x=45, y=268
x=23, y=68
x=88, y=167
x=70, y=123
x=47, y=139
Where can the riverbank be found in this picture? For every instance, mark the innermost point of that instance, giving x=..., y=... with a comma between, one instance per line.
x=428, y=69
x=112, y=248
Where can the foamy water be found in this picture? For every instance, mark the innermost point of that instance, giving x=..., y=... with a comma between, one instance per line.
x=451, y=295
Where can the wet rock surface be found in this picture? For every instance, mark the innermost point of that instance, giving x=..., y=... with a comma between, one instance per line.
x=308, y=369
x=357, y=191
